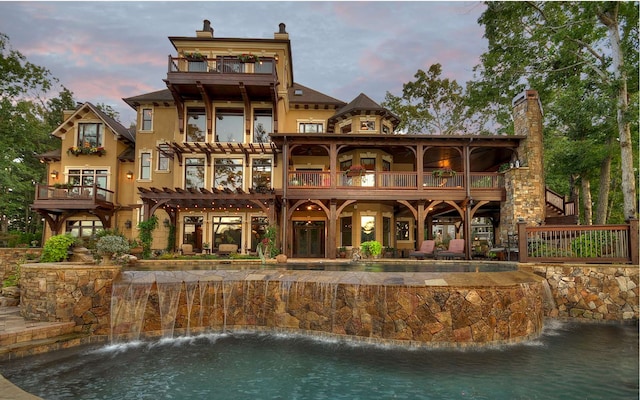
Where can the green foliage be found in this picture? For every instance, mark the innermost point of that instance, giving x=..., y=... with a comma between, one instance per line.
x=56, y=248
x=593, y=244
x=146, y=235
x=171, y=240
x=371, y=248
x=112, y=244
x=14, y=278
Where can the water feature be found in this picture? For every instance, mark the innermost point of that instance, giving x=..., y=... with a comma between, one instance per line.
x=568, y=361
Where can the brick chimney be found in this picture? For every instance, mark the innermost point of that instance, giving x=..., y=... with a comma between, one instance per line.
x=524, y=184
x=207, y=30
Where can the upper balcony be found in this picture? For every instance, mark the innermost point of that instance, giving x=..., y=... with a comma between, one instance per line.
x=69, y=197
x=223, y=77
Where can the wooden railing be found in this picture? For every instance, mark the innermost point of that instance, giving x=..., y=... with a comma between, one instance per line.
x=73, y=193
x=584, y=244
x=559, y=202
x=392, y=180
x=221, y=65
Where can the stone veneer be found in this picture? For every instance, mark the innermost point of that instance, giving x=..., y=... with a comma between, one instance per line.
x=58, y=292
x=596, y=293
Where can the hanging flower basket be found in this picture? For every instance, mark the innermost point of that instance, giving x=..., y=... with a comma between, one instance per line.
x=355, y=170
x=443, y=173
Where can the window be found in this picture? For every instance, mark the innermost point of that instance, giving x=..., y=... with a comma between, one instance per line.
x=227, y=173
x=346, y=231
x=145, y=165
x=230, y=125
x=84, y=229
x=402, y=230
x=367, y=228
x=163, y=157
x=259, y=227
x=369, y=178
x=386, y=231
x=194, y=173
x=227, y=230
x=345, y=165
x=146, y=119
x=311, y=127
x=262, y=125
x=386, y=130
x=368, y=163
x=90, y=135
x=196, y=125
x=261, y=173
x=367, y=125
x=88, y=177
x=263, y=67
x=345, y=128
x=192, y=231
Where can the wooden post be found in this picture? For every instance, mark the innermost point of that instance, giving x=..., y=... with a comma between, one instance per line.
x=523, y=255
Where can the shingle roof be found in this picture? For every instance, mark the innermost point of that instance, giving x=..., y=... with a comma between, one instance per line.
x=53, y=155
x=363, y=104
x=113, y=124
x=299, y=94
x=163, y=95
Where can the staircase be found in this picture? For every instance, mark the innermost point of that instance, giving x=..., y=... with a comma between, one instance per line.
x=559, y=210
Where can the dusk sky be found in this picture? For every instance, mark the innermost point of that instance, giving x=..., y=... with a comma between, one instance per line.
x=106, y=51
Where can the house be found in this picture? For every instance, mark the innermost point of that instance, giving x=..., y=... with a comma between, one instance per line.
x=234, y=144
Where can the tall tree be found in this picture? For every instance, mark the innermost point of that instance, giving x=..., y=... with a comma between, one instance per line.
x=563, y=49
x=27, y=116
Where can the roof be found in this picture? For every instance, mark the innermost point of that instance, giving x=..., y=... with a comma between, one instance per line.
x=160, y=96
x=299, y=94
x=53, y=155
x=115, y=126
x=129, y=154
x=363, y=104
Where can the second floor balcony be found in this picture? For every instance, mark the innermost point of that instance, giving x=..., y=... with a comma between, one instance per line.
x=72, y=197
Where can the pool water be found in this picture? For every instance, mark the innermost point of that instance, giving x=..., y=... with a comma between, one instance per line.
x=568, y=361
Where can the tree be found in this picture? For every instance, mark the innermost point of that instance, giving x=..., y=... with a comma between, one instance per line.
x=568, y=51
x=430, y=104
x=26, y=119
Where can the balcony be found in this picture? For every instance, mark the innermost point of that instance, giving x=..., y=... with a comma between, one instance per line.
x=72, y=198
x=486, y=185
x=224, y=78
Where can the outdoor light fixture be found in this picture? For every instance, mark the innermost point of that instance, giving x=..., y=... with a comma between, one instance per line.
x=54, y=174
x=127, y=224
x=130, y=175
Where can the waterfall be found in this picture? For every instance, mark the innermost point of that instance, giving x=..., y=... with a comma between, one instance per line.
x=128, y=304
x=547, y=296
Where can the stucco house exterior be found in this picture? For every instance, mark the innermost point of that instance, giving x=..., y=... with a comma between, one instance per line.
x=231, y=144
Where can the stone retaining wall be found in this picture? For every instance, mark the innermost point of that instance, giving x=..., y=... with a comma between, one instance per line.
x=10, y=257
x=600, y=293
x=68, y=292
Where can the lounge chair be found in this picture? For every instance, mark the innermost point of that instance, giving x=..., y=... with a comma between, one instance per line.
x=227, y=249
x=455, y=250
x=187, y=249
x=425, y=251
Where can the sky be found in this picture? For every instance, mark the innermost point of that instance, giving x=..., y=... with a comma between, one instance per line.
x=104, y=51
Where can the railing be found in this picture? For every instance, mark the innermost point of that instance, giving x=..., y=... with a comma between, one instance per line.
x=66, y=193
x=221, y=65
x=391, y=180
x=559, y=202
x=585, y=244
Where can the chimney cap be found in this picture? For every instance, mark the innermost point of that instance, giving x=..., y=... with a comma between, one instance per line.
x=282, y=28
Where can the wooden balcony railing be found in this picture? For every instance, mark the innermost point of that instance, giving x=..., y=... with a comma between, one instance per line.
x=391, y=180
x=559, y=202
x=91, y=193
x=584, y=244
x=221, y=65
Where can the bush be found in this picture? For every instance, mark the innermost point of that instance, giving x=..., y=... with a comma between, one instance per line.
x=56, y=248
x=112, y=244
x=371, y=248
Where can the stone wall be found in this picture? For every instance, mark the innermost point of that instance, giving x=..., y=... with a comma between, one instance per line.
x=10, y=257
x=598, y=293
x=68, y=292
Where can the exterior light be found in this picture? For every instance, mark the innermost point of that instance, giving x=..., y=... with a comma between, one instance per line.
x=130, y=175
x=54, y=174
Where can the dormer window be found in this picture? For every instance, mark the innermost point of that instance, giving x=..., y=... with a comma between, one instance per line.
x=297, y=92
x=386, y=130
x=311, y=127
x=368, y=125
x=90, y=135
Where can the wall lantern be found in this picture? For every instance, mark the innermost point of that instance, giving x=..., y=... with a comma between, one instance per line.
x=127, y=224
x=54, y=174
x=130, y=175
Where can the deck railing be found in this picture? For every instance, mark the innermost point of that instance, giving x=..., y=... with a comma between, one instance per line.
x=584, y=244
x=73, y=193
x=392, y=180
x=221, y=65
x=560, y=202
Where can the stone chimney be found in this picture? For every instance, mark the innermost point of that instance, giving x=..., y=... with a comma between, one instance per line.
x=207, y=30
x=282, y=32
x=524, y=184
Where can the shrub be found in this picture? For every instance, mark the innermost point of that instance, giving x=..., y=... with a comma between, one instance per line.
x=112, y=244
x=371, y=248
x=146, y=235
x=56, y=248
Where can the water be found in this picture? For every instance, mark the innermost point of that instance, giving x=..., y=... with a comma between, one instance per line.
x=568, y=361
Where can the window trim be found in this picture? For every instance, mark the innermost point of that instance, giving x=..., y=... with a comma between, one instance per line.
x=147, y=168
x=142, y=120
x=100, y=133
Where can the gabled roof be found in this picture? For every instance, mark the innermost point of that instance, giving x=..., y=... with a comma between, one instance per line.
x=159, y=96
x=49, y=156
x=114, y=125
x=363, y=104
x=299, y=94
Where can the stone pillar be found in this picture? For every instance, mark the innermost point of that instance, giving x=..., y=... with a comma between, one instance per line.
x=524, y=183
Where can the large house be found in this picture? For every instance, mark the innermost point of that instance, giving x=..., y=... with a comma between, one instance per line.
x=233, y=144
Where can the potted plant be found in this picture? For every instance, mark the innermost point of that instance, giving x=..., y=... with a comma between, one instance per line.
x=111, y=246
x=195, y=56
x=342, y=252
x=248, y=58
x=371, y=249
x=355, y=170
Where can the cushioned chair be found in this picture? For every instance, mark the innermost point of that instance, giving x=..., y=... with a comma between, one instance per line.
x=227, y=249
x=425, y=251
x=187, y=249
x=455, y=250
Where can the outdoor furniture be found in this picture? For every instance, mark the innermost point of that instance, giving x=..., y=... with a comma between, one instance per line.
x=187, y=249
x=227, y=248
x=455, y=250
x=512, y=247
x=425, y=251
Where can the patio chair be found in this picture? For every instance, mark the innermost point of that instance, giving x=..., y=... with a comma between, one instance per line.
x=425, y=251
x=455, y=250
x=187, y=249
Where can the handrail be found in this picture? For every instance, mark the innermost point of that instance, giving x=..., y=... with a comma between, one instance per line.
x=73, y=192
x=222, y=65
x=559, y=202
